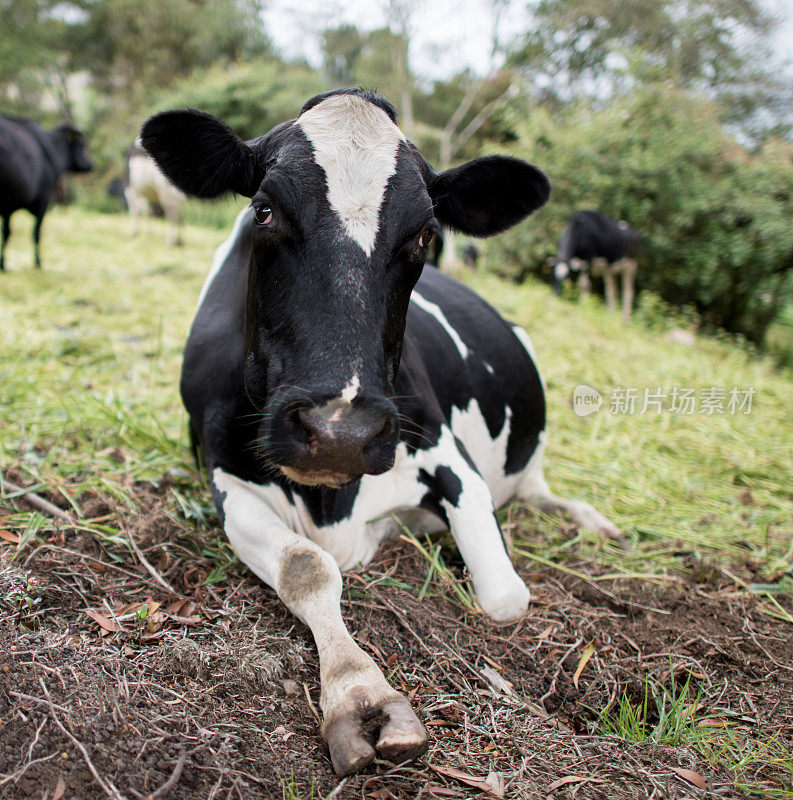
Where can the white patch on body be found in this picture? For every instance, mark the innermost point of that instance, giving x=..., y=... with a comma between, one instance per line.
x=356, y=145
x=435, y=311
x=221, y=254
x=561, y=271
x=146, y=186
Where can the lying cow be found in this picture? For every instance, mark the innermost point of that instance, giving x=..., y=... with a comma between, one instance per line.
x=147, y=188
x=32, y=161
x=594, y=244
x=332, y=386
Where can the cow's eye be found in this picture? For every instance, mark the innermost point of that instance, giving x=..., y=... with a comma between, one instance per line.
x=426, y=237
x=262, y=215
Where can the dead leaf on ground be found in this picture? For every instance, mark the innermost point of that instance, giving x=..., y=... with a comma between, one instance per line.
x=106, y=624
x=572, y=779
x=746, y=497
x=585, y=656
x=490, y=784
x=7, y=536
x=692, y=777
x=60, y=789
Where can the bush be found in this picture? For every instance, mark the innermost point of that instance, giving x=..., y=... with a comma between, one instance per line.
x=714, y=218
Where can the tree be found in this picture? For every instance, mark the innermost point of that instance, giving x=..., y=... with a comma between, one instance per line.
x=714, y=217
x=31, y=35
x=600, y=48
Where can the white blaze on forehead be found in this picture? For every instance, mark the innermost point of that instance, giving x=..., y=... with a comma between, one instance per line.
x=356, y=144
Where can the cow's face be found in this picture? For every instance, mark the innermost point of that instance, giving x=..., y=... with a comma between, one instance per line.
x=343, y=210
x=77, y=159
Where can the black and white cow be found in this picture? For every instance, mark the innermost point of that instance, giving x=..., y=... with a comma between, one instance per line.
x=594, y=244
x=147, y=189
x=31, y=162
x=333, y=389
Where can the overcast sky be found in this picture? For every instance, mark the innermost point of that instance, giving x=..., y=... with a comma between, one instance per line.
x=449, y=34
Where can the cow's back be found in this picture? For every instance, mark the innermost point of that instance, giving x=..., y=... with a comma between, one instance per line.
x=23, y=165
x=478, y=367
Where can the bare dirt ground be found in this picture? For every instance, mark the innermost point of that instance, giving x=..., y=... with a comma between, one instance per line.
x=211, y=690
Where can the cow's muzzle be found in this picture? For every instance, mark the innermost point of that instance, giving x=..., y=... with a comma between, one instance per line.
x=335, y=442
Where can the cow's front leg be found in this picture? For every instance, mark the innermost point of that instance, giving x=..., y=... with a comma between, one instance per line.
x=464, y=499
x=362, y=714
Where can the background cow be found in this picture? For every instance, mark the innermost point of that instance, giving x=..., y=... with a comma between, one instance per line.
x=331, y=386
x=31, y=162
x=594, y=244
x=148, y=189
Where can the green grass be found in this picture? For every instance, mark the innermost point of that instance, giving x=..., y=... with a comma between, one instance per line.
x=673, y=483
x=89, y=404
x=91, y=353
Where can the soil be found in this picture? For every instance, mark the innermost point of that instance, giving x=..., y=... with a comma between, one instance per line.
x=210, y=689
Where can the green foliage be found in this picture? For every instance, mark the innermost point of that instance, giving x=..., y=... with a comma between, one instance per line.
x=30, y=38
x=252, y=97
x=714, y=218
x=600, y=48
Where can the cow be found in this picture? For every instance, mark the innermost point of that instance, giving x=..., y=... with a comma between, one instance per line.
x=147, y=189
x=594, y=244
x=32, y=161
x=336, y=390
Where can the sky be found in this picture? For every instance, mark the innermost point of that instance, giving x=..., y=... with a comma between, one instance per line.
x=449, y=35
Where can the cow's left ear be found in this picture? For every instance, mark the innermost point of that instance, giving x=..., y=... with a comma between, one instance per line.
x=488, y=195
x=200, y=154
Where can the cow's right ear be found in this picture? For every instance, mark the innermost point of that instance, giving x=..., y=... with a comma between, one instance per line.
x=201, y=155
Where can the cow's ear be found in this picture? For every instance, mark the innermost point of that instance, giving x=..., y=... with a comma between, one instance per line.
x=200, y=154
x=488, y=195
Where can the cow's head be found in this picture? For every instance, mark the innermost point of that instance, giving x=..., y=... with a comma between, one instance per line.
x=343, y=210
x=73, y=147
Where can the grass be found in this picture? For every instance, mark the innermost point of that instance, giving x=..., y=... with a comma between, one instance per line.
x=89, y=405
x=717, y=486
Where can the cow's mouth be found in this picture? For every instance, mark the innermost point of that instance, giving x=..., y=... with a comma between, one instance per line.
x=321, y=477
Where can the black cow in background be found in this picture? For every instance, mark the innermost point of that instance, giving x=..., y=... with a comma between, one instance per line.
x=594, y=244
x=31, y=162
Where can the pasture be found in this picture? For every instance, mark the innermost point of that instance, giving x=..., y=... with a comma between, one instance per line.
x=140, y=659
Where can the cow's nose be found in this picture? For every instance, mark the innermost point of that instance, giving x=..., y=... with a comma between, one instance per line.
x=341, y=436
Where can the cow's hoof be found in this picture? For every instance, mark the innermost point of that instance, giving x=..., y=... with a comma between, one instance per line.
x=390, y=728
x=506, y=600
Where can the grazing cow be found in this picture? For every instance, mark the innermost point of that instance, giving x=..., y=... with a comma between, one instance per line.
x=31, y=162
x=594, y=244
x=148, y=189
x=333, y=389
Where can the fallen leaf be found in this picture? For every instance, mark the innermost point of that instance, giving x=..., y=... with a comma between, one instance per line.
x=572, y=779
x=60, y=788
x=585, y=656
x=442, y=791
x=747, y=499
x=496, y=682
x=470, y=780
x=104, y=622
x=692, y=777
x=7, y=536
x=546, y=633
